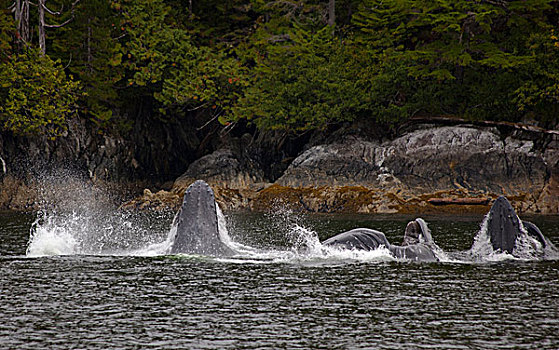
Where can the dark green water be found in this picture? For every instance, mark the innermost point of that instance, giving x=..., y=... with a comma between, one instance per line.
x=111, y=292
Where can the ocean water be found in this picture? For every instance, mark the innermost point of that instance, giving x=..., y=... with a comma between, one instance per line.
x=93, y=277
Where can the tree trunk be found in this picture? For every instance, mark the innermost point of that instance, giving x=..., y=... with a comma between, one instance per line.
x=21, y=15
x=331, y=12
x=42, y=34
x=89, y=56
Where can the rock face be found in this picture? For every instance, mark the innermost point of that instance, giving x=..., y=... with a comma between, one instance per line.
x=352, y=163
x=424, y=160
x=443, y=161
x=401, y=175
x=150, y=154
x=222, y=167
x=351, y=172
x=25, y=160
x=461, y=157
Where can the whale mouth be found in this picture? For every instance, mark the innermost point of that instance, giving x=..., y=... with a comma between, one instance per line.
x=412, y=233
x=416, y=232
x=196, y=224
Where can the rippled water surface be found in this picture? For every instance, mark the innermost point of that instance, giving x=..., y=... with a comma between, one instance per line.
x=109, y=290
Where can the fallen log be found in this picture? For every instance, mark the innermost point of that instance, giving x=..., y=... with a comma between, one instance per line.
x=459, y=201
x=457, y=121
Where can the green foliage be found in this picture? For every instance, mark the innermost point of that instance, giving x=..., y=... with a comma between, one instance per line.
x=538, y=96
x=217, y=23
x=278, y=65
x=37, y=97
x=467, y=58
x=7, y=26
x=449, y=57
x=307, y=84
x=90, y=45
x=162, y=58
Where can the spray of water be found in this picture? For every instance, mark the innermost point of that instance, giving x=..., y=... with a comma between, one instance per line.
x=78, y=217
x=297, y=243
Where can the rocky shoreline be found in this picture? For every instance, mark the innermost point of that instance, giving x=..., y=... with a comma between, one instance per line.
x=403, y=175
x=462, y=166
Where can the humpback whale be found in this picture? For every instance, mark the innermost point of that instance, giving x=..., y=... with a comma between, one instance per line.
x=504, y=228
x=197, y=230
x=417, y=245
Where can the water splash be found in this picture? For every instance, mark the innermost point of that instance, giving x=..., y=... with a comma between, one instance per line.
x=226, y=238
x=530, y=248
x=264, y=248
x=294, y=242
x=78, y=217
x=48, y=238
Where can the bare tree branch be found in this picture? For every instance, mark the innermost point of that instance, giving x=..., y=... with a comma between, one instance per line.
x=59, y=25
x=43, y=25
x=54, y=13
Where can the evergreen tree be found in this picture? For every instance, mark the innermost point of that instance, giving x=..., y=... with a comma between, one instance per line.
x=310, y=83
x=162, y=61
x=538, y=96
x=36, y=95
x=90, y=44
x=7, y=30
x=457, y=57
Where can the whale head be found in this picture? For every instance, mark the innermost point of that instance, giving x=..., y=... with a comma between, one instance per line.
x=417, y=232
x=503, y=225
x=197, y=229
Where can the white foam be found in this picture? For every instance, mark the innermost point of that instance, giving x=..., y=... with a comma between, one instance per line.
x=77, y=217
x=51, y=240
x=158, y=248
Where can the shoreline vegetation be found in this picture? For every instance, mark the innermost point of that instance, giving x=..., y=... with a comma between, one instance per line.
x=354, y=106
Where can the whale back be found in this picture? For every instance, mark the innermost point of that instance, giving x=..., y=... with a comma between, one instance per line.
x=197, y=229
x=503, y=225
x=367, y=239
x=358, y=239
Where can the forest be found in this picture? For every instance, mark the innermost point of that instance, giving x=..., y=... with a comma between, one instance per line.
x=289, y=65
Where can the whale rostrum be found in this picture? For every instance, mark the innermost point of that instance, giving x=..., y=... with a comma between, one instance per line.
x=197, y=229
x=505, y=227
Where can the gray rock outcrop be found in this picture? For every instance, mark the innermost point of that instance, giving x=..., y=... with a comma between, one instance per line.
x=223, y=168
x=450, y=158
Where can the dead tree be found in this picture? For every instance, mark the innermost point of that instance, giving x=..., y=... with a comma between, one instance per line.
x=331, y=12
x=42, y=25
x=20, y=8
